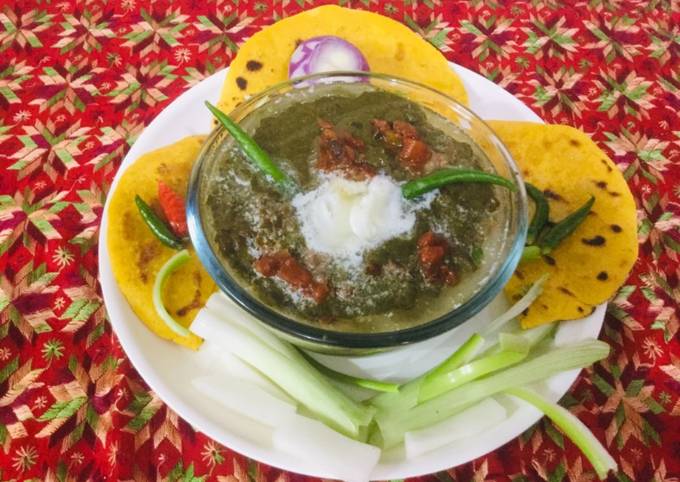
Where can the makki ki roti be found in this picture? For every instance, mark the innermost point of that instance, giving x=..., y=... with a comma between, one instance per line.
x=137, y=255
x=389, y=47
x=589, y=266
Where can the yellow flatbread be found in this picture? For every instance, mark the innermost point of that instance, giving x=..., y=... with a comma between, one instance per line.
x=589, y=266
x=137, y=255
x=389, y=47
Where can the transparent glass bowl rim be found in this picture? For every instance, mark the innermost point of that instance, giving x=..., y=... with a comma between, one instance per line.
x=355, y=340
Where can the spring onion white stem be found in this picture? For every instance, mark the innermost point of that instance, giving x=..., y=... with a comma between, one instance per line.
x=231, y=365
x=573, y=428
x=476, y=419
x=244, y=398
x=294, y=375
x=225, y=308
x=578, y=355
x=407, y=397
x=442, y=383
x=517, y=309
x=375, y=385
x=324, y=451
x=462, y=355
x=166, y=270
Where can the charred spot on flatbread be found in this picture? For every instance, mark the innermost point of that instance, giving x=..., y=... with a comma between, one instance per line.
x=137, y=255
x=197, y=301
x=551, y=194
x=147, y=252
x=549, y=260
x=589, y=266
x=253, y=65
x=390, y=47
x=596, y=240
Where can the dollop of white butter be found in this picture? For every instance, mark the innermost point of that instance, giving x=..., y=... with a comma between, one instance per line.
x=344, y=218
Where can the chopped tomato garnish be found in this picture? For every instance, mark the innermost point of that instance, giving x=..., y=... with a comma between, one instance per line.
x=402, y=137
x=341, y=151
x=432, y=251
x=405, y=129
x=289, y=270
x=414, y=154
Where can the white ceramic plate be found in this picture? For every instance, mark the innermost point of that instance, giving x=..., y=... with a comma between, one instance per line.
x=168, y=368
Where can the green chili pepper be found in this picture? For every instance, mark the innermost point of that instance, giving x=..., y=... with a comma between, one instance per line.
x=446, y=176
x=530, y=252
x=541, y=213
x=157, y=225
x=553, y=236
x=250, y=148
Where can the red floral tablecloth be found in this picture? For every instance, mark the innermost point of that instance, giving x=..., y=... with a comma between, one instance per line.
x=80, y=80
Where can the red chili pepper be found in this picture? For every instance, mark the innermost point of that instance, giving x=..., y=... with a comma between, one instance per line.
x=172, y=205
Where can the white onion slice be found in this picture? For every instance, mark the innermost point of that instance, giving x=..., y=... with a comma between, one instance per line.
x=328, y=453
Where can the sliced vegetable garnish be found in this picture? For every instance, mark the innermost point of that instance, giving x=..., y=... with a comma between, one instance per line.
x=404, y=399
x=376, y=385
x=442, y=177
x=166, y=270
x=221, y=306
x=459, y=388
x=408, y=394
x=235, y=367
x=564, y=228
x=517, y=309
x=578, y=355
x=435, y=386
x=477, y=419
x=245, y=398
x=157, y=225
x=541, y=212
x=250, y=148
x=464, y=354
x=173, y=207
x=522, y=340
x=325, y=54
x=513, y=342
x=312, y=441
x=291, y=372
x=573, y=428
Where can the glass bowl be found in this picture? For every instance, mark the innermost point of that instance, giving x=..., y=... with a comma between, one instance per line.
x=321, y=339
